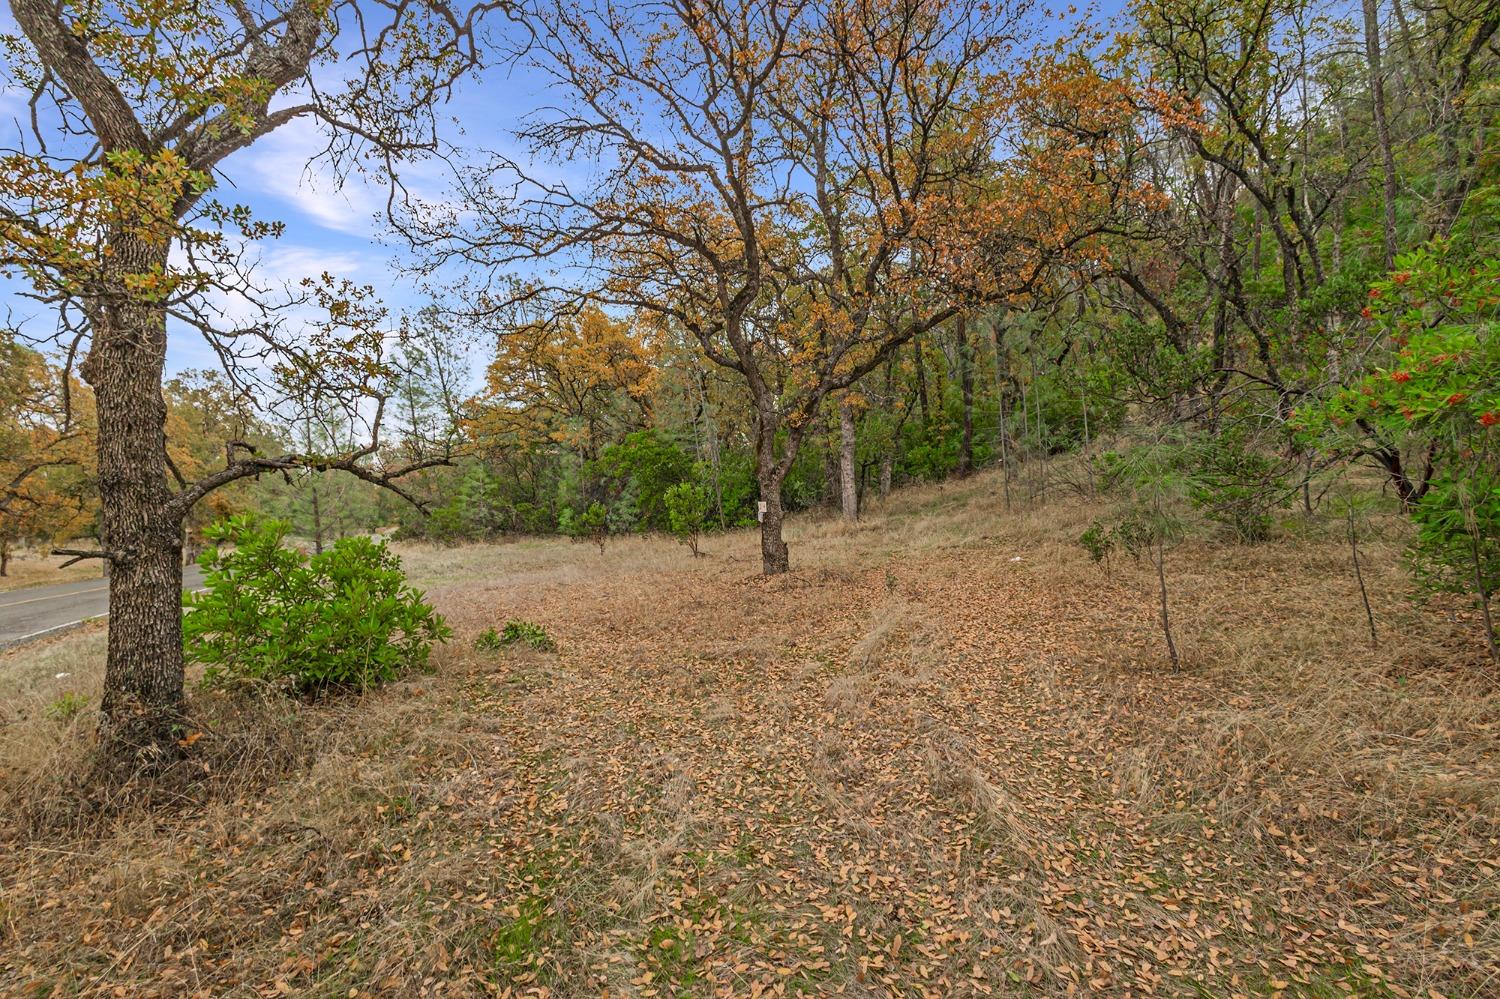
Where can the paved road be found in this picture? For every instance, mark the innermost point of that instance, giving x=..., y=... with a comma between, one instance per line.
x=37, y=610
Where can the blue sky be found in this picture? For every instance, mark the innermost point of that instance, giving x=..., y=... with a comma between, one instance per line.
x=329, y=227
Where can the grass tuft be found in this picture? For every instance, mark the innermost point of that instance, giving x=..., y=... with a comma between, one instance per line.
x=946, y=754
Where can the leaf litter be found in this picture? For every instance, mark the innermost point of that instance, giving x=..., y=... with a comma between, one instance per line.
x=934, y=774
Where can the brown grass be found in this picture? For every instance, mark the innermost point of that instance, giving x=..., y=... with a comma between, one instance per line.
x=943, y=757
x=36, y=568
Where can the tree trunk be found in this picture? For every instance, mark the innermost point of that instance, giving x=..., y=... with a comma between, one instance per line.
x=833, y=479
x=849, y=486
x=1359, y=577
x=1408, y=491
x=774, y=556
x=916, y=354
x=143, y=674
x=711, y=445
x=1166, y=620
x=1382, y=130
x=317, y=511
x=4, y=557
x=887, y=466
x=997, y=333
x=966, y=384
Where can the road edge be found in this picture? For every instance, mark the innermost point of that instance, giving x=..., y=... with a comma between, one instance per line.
x=56, y=629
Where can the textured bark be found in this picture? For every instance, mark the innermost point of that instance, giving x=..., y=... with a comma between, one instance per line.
x=966, y=387
x=774, y=555
x=1382, y=131
x=775, y=558
x=143, y=677
x=317, y=512
x=997, y=334
x=849, y=486
x=916, y=356
x=141, y=517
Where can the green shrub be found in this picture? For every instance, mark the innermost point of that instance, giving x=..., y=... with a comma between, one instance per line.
x=1097, y=541
x=624, y=515
x=1233, y=481
x=1147, y=529
x=1140, y=531
x=687, y=512
x=928, y=452
x=488, y=640
x=342, y=619
x=479, y=502
x=1141, y=364
x=1438, y=392
x=1237, y=486
x=591, y=524
x=1457, y=547
x=67, y=707
x=738, y=489
x=634, y=476
x=533, y=635
x=1151, y=466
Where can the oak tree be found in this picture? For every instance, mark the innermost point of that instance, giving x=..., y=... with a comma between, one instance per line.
x=771, y=174
x=107, y=210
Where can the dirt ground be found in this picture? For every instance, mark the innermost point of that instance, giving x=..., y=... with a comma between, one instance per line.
x=944, y=757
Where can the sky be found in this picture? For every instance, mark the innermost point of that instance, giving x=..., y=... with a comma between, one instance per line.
x=328, y=227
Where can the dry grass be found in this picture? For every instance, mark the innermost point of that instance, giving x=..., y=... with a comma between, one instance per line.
x=943, y=757
x=36, y=568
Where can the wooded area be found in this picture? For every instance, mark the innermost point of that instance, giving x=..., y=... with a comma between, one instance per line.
x=1232, y=266
x=828, y=248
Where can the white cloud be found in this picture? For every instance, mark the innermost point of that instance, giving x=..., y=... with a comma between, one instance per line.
x=284, y=263
x=274, y=270
x=286, y=165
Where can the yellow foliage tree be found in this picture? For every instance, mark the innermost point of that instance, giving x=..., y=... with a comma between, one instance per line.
x=573, y=381
x=45, y=451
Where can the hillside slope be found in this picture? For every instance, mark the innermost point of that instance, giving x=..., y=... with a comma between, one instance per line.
x=944, y=757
